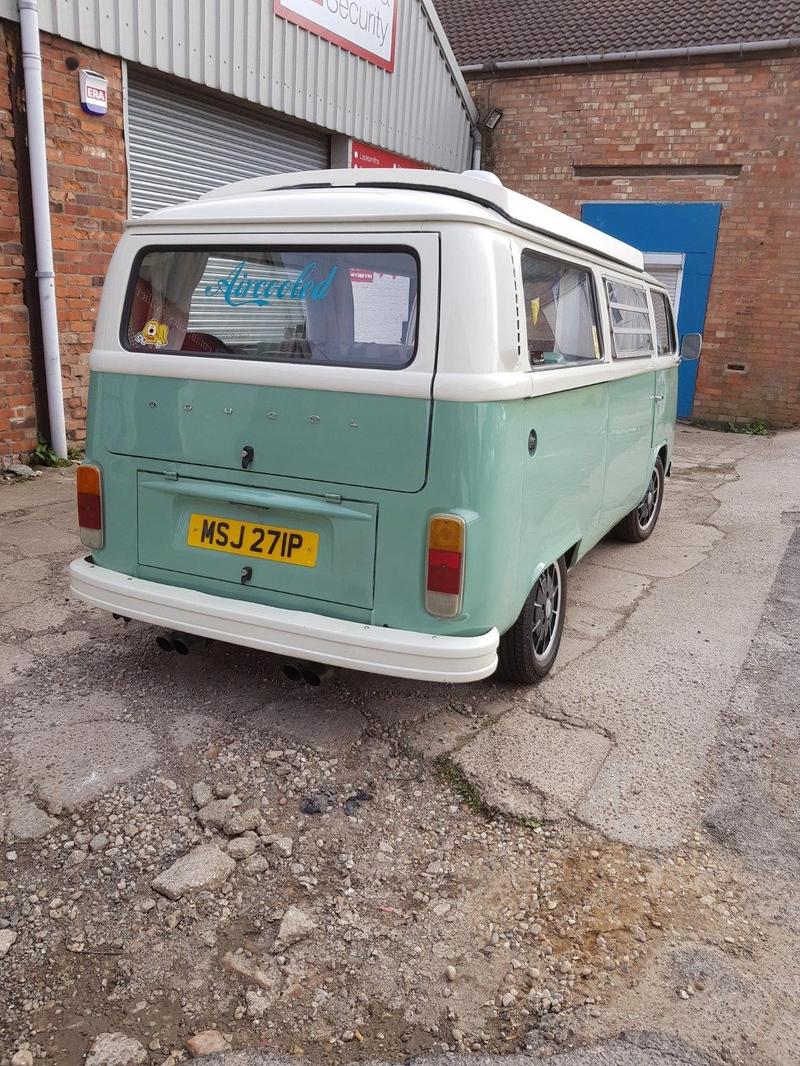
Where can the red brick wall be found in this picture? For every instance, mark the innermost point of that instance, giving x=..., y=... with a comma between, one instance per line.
x=17, y=413
x=88, y=191
x=88, y=195
x=743, y=112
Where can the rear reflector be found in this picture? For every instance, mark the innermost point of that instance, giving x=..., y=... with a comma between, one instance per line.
x=444, y=584
x=90, y=505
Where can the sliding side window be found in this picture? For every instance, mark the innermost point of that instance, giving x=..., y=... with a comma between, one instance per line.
x=631, y=326
x=560, y=312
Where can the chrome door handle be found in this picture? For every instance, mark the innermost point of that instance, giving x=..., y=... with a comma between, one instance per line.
x=658, y=396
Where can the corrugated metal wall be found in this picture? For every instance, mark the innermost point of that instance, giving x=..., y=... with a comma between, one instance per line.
x=241, y=47
x=183, y=145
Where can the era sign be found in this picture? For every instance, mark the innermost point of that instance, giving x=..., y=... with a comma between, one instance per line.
x=93, y=92
x=365, y=27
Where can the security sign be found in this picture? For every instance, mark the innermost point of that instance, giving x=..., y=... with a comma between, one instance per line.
x=94, y=92
x=364, y=27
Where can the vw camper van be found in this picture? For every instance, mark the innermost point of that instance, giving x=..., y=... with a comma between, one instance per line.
x=370, y=419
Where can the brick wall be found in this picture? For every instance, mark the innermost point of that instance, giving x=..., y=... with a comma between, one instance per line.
x=88, y=195
x=17, y=409
x=743, y=112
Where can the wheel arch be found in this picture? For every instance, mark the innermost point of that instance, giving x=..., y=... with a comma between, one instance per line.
x=567, y=549
x=662, y=453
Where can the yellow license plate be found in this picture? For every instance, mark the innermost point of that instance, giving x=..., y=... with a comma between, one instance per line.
x=281, y=545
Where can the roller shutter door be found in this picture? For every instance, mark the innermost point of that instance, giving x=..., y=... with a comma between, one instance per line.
x=669, y=274
x=183, y=143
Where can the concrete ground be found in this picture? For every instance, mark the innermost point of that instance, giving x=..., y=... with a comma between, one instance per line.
x=667, y=732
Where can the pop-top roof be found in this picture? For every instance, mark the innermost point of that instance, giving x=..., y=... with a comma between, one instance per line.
x=255, y=196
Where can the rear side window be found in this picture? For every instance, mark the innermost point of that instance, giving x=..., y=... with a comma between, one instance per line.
x=560, y=312
x=340, y=306
x=665, y=325
x=631, y=327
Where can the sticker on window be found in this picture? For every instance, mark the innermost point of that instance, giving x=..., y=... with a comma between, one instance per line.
x=155, y=334
x=242, y=287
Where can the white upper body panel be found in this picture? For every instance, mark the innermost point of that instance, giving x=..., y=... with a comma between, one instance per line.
x=467, y=232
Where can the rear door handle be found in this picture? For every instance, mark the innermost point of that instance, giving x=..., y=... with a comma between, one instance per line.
x=658, y=396
x=261, y=498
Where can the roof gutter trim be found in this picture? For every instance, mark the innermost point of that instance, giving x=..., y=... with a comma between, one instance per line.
x=689, y=52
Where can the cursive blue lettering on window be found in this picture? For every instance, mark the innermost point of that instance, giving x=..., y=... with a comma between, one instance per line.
x=240, y=290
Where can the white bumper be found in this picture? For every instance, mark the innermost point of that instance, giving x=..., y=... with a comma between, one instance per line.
x=292, y=634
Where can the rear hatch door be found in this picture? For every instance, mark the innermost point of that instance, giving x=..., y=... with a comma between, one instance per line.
x=313, y=358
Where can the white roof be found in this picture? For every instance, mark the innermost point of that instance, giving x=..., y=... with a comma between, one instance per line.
x=256, y=197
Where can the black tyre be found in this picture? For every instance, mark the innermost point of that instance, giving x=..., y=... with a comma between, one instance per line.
x=529, y=649
x=640, y=523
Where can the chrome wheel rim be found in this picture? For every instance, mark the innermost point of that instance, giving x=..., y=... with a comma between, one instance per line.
x=646, y=511
x=546, y=611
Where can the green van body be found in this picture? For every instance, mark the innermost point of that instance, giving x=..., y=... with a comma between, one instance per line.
x=518, y=514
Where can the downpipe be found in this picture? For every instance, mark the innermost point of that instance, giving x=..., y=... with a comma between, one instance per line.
x=313, y=674
x=477, y=142
x=40, y=195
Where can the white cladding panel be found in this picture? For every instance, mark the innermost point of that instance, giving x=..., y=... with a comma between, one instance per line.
x=422, y=110
x=182, y=144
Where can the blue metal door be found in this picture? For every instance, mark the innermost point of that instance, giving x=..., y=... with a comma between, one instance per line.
x=689, y=228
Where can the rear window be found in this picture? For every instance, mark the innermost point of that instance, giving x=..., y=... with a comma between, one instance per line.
x=343, y=307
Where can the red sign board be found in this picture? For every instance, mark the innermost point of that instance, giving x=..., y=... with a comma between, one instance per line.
x=366, y=157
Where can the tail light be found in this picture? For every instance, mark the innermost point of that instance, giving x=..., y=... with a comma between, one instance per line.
x=90, y=505
x=444, y=584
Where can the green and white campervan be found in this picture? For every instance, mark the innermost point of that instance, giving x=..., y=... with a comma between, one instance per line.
x=370, y=419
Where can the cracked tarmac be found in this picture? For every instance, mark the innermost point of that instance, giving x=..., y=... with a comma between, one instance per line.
x=671, y=714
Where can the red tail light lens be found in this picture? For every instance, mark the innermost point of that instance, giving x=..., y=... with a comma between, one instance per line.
x=444, y=584
x=90, y=505
x=444, y=572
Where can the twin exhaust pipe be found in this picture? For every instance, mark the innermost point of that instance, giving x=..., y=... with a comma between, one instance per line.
x=295, y=669
x=311, y=673
x=182, y=643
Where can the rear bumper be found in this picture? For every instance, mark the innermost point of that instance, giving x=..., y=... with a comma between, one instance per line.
x=293, y=634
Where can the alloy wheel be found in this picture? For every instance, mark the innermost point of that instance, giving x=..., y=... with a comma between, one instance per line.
x=546, y=610
x=646, y=511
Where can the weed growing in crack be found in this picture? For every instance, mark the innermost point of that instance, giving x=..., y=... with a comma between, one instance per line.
x=452, y=775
